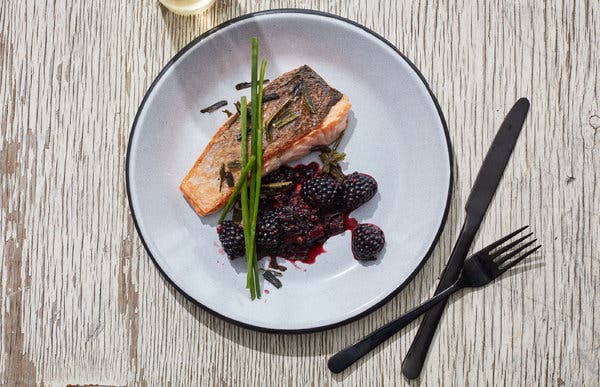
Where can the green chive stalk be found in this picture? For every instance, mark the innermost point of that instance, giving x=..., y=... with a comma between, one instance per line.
x=258, y=174
x=244, y=189
x=250, y=196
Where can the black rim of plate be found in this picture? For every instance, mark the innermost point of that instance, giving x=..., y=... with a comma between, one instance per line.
x=307, y=12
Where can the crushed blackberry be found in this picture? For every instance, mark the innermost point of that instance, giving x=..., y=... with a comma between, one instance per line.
x=296, y=219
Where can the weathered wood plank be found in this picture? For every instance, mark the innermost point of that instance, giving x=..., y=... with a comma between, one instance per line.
x=82, y=303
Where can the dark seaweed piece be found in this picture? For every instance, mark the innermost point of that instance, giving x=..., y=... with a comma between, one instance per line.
x=245, y=85
x=270, y=97
x=275, y=273
x=214, y=106
x=269, y=276
x=221, y=176
x=229, y=179
x=226, y=111
x=274, y=265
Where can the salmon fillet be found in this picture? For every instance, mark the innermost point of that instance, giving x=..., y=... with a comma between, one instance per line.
x=321, y=114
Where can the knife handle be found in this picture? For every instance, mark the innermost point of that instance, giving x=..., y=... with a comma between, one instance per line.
x=415, y=357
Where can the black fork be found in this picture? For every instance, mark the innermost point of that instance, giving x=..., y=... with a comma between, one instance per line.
x=480, y=269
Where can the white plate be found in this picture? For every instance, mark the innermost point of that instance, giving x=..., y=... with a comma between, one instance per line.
x=396, y=133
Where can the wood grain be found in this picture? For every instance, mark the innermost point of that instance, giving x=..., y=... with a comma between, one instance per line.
x=82, y=303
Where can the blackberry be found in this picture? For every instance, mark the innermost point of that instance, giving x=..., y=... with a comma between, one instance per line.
x=280, y=175
x=367, y=242
x=306, y=173
x=268, y=231
x=322, y=191
x=231, y=236
x=358, y=189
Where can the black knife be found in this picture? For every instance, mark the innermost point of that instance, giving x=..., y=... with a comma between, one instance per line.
x=481, y=195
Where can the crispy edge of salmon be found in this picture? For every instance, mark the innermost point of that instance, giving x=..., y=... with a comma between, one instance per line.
x=325, y=133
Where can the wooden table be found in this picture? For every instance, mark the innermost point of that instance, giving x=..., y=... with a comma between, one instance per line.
x=83, y=304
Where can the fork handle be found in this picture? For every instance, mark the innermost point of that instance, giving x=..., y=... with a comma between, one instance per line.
x=415, y=357
x=347, y=356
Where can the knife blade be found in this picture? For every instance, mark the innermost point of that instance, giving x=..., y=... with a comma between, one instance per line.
x=481, y=195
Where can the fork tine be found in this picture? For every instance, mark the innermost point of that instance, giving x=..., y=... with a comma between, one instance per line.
x=509, y=246
x=508, y=256
x=504, y=239
x=522, y=257
x=513, y=253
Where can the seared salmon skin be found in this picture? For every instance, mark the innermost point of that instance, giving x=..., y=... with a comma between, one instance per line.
x=300, y=111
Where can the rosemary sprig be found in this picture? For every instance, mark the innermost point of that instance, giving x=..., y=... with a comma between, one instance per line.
x=286, y=119
x=276, y=185
x=275, y=114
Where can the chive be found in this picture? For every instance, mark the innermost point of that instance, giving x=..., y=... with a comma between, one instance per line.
x=244, y=189
x=258, y=174
x=250, y=184
x=250, y=283
x=241, y=182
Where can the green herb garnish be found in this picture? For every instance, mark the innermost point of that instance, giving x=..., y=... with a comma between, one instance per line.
x=331, y=158
x=277, y=185
x=235, y=164
x=250, y=206
x=273, y=116
x=239, y=186
x=308, y=100
x=285, y=119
